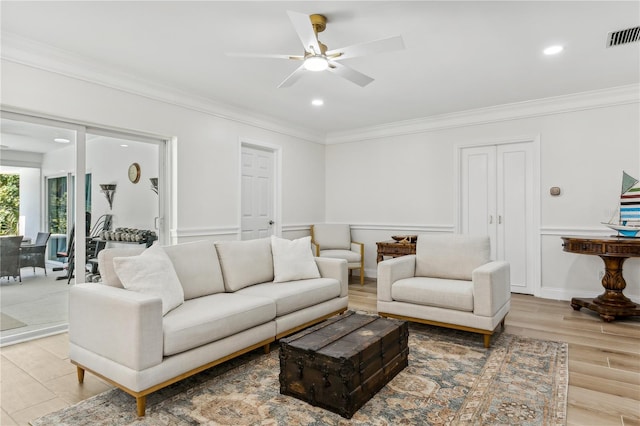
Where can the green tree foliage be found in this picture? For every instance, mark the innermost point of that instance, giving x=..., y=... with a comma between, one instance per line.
x=57, y=194
x=9, y=203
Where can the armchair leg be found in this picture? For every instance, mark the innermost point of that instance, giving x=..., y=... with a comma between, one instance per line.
x=361, y=276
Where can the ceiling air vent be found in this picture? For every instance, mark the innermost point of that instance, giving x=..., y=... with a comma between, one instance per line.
x=616, y=38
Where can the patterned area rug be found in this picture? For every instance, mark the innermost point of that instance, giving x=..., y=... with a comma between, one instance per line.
x=451, y=380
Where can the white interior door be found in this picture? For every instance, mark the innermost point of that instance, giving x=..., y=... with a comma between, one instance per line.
x=497, y=199
x=257, y=187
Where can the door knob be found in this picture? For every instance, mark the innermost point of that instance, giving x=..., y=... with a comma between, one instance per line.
x=271, y=222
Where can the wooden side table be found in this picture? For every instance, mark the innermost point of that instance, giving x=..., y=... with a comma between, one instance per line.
x=613, y=251
x=394, y=249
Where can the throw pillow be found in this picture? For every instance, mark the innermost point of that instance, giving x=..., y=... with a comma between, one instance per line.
x=245, y=263
x=152, y=273
x=293, y=259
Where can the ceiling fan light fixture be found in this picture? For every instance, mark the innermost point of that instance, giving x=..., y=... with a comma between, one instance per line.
x=316, y=63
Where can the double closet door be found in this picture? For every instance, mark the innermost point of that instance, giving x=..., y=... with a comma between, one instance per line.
x=497, y=199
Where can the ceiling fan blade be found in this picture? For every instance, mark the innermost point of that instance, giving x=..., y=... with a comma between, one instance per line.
x=349, y=73
x=293, y=77
x=369, y=48
x=265, y=55
x=304, y=29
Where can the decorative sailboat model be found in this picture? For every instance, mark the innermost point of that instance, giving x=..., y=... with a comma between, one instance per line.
x=629, y=212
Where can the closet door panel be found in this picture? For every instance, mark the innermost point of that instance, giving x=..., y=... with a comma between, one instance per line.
x=478, y=193
x=514, y=204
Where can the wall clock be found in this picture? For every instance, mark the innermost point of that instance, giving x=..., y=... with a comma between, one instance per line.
x=134, y=172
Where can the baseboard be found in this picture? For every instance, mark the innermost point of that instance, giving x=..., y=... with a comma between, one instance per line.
x=558, y=293
x=34, y=334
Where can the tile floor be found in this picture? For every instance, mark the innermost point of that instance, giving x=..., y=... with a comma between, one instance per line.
x=37, y=378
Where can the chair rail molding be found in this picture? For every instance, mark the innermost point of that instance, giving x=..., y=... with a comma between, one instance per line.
x=205, y=232
x=591, y=231
x=402, y=228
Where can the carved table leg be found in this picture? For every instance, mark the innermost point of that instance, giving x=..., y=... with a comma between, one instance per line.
x=612, y=303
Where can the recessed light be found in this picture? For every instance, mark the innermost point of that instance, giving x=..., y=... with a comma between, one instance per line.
x=124, y=145
x=317, y=102
x=553, y=50
x=61, y=140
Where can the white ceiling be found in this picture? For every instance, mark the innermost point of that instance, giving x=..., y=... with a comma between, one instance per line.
x=459, y=55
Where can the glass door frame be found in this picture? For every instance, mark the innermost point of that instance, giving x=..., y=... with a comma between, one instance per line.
x=166, y=159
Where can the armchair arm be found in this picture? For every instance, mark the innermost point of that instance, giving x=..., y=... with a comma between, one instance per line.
x=335, y=268
x=315, y=248
x=392, y=270
x=357, y=247
x=121, y=325
x=491, y=287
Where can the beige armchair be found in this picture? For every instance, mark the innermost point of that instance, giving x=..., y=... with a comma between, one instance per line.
x=449, y=282
x=334, y=240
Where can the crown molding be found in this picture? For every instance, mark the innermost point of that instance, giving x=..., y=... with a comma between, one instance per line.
x=48, y=58
x=42, y=56
x=621, y=95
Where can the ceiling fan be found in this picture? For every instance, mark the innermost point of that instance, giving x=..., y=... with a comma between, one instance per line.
x=316, y=56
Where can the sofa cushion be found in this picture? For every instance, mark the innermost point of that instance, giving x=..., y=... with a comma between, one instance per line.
x=292, y=296
x=245, y=263
x=197, y=267
x=293, y=259
x=450, y=256
x=151, y=273
x=206, y=319
x=439, y=292
x=105, y=263
x=332, y=236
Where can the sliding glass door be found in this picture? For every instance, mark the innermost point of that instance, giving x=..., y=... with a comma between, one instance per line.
x=124, y=182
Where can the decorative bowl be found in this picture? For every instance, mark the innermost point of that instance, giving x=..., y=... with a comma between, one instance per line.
x=405, y=238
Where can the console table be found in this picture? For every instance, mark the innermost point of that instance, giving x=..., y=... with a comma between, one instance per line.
x=613, y=251
x=394, y=249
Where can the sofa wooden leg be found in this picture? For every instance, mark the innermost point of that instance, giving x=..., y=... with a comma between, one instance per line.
x=267, y=348
x=141, y=404
x=80, y=372
x=487, y=340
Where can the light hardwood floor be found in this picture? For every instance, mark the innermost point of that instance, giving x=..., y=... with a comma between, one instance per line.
x=604, y=363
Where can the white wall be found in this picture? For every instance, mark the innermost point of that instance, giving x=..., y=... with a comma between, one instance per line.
x=134, y=205
x=405, y=183
x=207, y=148
x=401, y=183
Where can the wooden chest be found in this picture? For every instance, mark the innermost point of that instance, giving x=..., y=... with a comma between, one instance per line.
x=341, y=363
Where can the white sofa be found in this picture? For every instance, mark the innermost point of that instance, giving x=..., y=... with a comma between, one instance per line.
x=449, y=282
x=232, y=304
